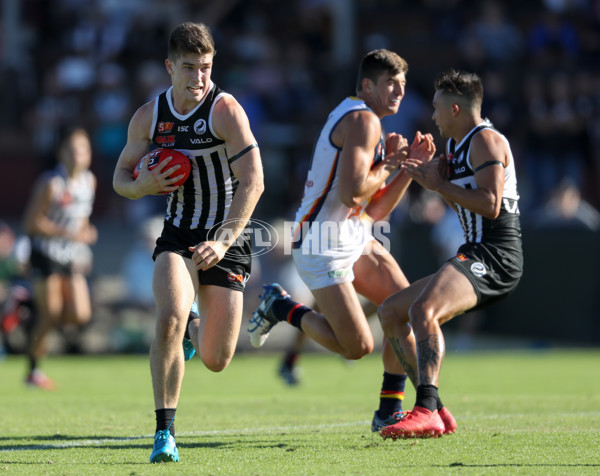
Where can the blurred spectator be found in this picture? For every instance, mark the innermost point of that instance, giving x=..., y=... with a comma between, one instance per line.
x=552, y=41
x=567, y=210
x=111, y=111
x=563, y=148
x=491, y=38
x=497, y=102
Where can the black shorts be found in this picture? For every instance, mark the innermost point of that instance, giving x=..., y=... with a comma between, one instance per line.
x=493, y=269
x=42, y=266
x=231, y=272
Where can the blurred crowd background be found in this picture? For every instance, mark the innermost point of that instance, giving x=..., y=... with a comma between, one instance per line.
x=94, y=62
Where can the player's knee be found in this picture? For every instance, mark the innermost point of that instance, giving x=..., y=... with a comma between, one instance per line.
x=80, y=318
x=51, y=319
x=358, y=350
x=216, y=363
x=168, y=327
x=385, y=315
x=390, y=318
x=421, y=314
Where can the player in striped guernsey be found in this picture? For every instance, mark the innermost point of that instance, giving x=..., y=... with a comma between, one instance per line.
x=478, y=181
x=57, y=222
x=202, y=249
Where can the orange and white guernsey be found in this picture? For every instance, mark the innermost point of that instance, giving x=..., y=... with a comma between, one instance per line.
x=324, y=225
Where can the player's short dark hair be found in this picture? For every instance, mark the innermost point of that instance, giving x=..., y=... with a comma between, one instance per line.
x=377, y=62
x=188, y=37
x=466, y=87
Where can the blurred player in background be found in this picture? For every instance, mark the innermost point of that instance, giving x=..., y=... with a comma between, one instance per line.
x=346, y=188
x=209, y=125
x=57, y=221
x=16, y=303
x=478, y=181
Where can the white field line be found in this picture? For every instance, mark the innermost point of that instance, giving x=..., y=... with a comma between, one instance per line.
x=105, y=441
x=271, y=429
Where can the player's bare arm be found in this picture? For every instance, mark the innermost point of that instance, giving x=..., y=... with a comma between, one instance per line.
x=148, y=182
x=358, y=135
x=231, y=124
x=35, y=220
x=486, y=148
x=389, y=195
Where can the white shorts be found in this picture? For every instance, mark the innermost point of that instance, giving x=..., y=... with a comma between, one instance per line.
x=319, y=271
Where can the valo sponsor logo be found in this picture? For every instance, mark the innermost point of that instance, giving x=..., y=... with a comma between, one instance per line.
x=197, y=141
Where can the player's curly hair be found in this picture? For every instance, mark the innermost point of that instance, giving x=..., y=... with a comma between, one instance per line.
x=377, y=62
x=465, y=86
x=188, y=37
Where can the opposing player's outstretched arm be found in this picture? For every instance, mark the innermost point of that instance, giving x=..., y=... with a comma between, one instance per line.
x=358, y=135
x=148, y=182
x=231, y=124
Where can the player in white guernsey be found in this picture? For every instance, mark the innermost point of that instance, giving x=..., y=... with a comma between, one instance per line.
x=348, y=188
x=222, y=191
x=478, y=181
x=57, y=222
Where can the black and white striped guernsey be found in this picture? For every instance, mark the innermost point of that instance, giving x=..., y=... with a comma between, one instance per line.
x=204, y=199
x=71, y=202
x=477, y=229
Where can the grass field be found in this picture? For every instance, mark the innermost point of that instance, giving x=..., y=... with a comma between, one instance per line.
x=518, y=413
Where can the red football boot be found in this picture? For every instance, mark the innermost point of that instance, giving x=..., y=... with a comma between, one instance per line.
x=418, y=423
x=37, y=378
x=448, y=421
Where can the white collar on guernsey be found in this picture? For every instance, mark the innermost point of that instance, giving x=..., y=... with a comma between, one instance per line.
x=183, y=117
x=485, y=122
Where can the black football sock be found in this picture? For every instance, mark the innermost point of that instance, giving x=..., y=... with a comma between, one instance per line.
x=290, y=358
x=165, y=418
x=33, y=364
x=290, y=311
x=439, y=404
x=392, y=394
x=427, y=397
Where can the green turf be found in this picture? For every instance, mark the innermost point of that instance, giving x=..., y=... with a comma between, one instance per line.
x=518, y=413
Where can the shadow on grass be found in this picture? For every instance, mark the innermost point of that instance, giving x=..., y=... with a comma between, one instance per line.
x=65, y=442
